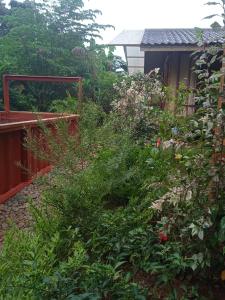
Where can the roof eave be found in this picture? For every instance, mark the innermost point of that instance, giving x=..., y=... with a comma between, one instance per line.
x=170, y=47
x=123, y=45
x=176, y=47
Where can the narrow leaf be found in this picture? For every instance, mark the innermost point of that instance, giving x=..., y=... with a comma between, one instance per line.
x=211, y=16
x=212, y=3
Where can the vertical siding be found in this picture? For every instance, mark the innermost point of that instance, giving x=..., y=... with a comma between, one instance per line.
x=184, y=68
x=155, y=59
x=175, y=68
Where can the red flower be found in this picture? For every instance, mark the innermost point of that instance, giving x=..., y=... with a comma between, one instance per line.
x=163, y=237
x=158, y=142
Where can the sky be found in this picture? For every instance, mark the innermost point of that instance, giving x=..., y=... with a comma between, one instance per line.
x=140, y=14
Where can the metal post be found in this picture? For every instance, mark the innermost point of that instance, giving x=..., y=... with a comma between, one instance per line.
x=80, y=95
x=6, y=94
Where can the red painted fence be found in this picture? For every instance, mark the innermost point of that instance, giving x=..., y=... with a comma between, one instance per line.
x=18, y=166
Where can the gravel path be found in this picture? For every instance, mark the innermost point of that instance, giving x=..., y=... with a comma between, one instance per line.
x=16, y=209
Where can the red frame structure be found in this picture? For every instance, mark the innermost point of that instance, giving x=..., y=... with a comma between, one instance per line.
x=7, y=78
x=13, y=132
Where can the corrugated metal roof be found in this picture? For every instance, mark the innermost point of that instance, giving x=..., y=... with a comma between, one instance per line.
x=128, y=37
x=172, y=37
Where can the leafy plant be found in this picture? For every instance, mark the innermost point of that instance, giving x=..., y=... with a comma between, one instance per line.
x=53, y=38
x=221, y=4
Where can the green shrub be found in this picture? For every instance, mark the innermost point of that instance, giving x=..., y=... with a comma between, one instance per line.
x=123, y=212
x=34, y=271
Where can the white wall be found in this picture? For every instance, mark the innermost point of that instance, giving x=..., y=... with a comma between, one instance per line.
x=135, y=59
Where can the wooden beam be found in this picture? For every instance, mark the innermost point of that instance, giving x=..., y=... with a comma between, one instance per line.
x=125, y=52
x=135, y=66
x=135, y=57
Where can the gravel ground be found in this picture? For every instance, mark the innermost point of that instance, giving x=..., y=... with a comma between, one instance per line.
x=16, y=211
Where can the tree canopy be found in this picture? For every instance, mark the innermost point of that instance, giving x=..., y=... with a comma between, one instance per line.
x=48, y=38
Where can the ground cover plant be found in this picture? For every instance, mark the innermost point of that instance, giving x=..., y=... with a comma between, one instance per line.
x=134, y=208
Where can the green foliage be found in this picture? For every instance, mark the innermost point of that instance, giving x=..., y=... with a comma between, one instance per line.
x=43, y=276
x=221, y=4
x=182, y=98
x=134, y=208
x=53, y=38
x=106, y=94
x=46, y=276
x=124, y=215
x=137, y=95
x=68, y=105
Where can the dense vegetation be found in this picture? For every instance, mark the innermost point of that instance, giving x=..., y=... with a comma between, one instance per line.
x=134, y=208
x=54, y=38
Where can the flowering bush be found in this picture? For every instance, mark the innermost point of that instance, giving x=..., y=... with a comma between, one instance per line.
x=137, y=96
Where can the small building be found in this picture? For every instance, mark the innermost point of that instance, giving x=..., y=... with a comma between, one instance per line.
x=167, y=49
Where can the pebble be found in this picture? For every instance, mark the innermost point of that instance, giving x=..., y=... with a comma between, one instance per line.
x=16, y=209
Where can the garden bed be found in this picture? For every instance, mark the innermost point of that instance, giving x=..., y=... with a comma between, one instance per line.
x=18, y=164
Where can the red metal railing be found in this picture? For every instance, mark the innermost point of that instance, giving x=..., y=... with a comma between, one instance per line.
x=13, y=134
x=7, y=78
